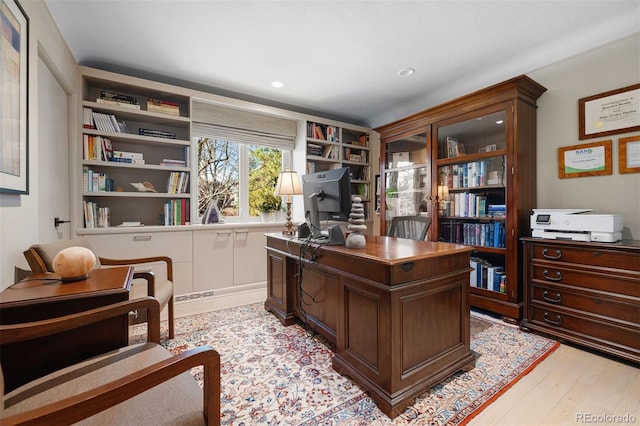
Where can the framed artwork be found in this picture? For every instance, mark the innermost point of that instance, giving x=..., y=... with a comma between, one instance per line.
x=609, y=113
x=589, y=159
x=629, y=155
x=14, y=143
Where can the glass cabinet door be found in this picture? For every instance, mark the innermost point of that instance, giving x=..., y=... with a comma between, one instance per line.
x=407, y=182
x=472, y=193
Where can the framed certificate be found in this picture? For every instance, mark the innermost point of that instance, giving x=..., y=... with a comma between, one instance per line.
x=609, y=113
x=629, y=154
x=589, y=159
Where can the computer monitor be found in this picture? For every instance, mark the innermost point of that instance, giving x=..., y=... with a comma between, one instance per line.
x=327, y=197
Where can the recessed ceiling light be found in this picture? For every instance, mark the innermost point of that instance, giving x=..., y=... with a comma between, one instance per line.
x=405, y=72
x=277, y=84
x=499, y=121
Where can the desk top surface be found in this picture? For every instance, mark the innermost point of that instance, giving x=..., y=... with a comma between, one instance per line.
x=387, y=250
x=48, y=287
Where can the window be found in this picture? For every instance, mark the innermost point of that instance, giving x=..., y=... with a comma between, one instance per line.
x=241, y=177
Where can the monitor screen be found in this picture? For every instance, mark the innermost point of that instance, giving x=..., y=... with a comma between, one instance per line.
x=327, y=196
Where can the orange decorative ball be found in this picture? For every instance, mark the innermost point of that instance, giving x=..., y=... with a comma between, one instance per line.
x=74, y=263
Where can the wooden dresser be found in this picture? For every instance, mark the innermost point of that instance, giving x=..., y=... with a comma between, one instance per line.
x=585, y=293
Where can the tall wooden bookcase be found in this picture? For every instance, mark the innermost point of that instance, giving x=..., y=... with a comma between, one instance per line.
x=333, y=147
x=148, y=123
x=470, y=164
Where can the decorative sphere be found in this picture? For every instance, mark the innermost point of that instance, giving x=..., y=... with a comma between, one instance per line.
x=74, y=263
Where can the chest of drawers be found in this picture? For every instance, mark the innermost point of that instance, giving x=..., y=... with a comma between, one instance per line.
x=585, y=293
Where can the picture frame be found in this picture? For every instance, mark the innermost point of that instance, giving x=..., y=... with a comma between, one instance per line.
x=609, y=113
x=588, y=159
x=629, y=155
x=14, y=120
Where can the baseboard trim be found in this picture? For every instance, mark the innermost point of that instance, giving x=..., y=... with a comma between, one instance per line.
x=198, y=303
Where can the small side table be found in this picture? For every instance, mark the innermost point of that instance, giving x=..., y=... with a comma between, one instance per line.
x=43, y=296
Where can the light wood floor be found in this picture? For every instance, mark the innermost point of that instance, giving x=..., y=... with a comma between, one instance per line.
x=570, y=386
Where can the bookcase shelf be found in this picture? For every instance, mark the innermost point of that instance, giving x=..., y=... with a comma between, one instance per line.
x=146, y=138
x=333, y=147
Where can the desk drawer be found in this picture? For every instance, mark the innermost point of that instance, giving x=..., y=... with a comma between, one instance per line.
x=590, y=302
x=595, y=256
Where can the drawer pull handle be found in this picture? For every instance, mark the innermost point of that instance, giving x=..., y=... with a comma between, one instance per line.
x=546, y=276
x=546, y=255
x=546, y=297
x=142, y=238
x=557, y=321
x=596, y=253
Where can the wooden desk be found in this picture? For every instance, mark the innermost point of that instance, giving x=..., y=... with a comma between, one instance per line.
x=42, y=296
x=397, y=310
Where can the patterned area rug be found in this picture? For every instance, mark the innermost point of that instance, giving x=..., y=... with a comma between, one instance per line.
x=273, y=374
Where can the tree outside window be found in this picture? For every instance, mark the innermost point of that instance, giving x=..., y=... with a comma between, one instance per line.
x=225, y=167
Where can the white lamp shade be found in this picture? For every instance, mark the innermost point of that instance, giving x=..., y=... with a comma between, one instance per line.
x=288, y=183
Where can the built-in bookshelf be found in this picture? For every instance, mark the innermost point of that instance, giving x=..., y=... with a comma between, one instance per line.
x=333, y=147
x=135, y=151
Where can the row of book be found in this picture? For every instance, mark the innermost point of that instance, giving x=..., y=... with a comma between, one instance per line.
x=93, y=181
x=328, y=151
x=163, y=106
x=469, y=175
x=322, y=132
x=468, y=204
x=487, y=276
x=119, y=100
x=156, y=133
x=103, y=122
x=178, y=183
x=474, y=234
x=128, y=157
x=357, y=155
x=96, y=216
x=97, y=148
x=176, y=212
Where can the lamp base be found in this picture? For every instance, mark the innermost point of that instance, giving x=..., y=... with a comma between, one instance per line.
x=289, y=228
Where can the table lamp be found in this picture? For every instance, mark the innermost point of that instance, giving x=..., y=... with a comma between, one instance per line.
x=288, y=184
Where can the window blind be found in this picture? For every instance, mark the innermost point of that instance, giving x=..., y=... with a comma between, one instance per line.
x=210, y=120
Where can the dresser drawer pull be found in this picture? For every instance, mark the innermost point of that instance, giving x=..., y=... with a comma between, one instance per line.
x=142, y=238
x=545, y=253
x=546, y=297
x=557, y=321
x=546, y=276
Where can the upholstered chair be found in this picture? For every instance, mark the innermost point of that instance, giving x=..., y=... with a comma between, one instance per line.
x=40, y=259
x=140, y=384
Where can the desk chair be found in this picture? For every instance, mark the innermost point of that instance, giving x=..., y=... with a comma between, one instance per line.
x=40, y=260
x=412, y=227
x=136, y=384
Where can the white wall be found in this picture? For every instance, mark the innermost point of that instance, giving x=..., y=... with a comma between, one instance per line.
x=20, y=214
x=607, y=68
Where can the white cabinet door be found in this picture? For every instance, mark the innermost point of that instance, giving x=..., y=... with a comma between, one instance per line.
x=250, y=258
x=213, y=259
x=176, y=245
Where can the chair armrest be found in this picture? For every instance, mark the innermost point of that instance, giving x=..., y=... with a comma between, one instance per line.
x=151, y=281
x=165, y=259
x=89, y=403
x=12, y=333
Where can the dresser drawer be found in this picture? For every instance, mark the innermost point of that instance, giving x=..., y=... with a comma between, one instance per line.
x=593, y=256
x=590, y=302
x=559, y=273
x=559, y=322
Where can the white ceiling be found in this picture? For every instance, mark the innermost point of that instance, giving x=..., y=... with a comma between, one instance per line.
x=338, y=58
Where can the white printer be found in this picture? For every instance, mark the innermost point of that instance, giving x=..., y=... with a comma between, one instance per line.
x=576, y=225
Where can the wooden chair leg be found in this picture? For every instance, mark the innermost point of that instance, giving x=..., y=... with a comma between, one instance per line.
x=171, y=318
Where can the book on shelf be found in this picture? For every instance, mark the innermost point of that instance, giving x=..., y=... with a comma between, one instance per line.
x=118, y=97
x=156, y=133
x=176, y=212
x=106, y=122
x=87, y=118
x=177, y=182
x=96, y=216
x=163, y=106
x=454, y=147
x=173, y=163
x=117, y=104
x=313, y=149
